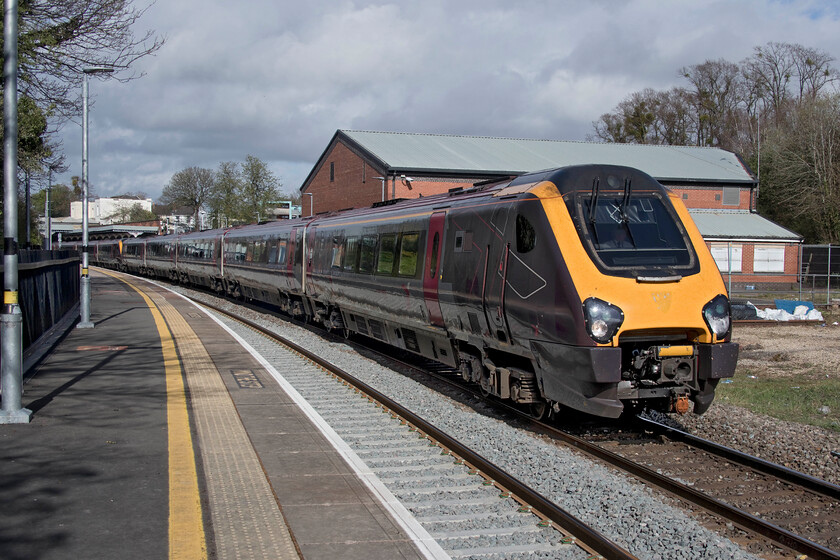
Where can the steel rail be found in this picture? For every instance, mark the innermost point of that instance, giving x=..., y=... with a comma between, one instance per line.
x=543, y=506
x=564, y=519
x=737, y=516
x=781, y=472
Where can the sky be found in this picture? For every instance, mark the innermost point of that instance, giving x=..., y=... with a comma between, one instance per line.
x=276, y=78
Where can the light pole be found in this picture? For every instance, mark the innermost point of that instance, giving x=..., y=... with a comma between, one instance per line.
x=11, y=319
x=85, y=322
x=48, y=210
x=311, y=202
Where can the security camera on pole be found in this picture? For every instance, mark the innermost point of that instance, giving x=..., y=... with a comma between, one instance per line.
x=84, y=305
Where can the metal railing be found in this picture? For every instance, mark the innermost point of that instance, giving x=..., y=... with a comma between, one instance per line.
x=48, y=288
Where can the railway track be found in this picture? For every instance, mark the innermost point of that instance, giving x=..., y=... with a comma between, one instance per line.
x=469, y=505
x=777, y=511
x=790, y=508
x=783, y=540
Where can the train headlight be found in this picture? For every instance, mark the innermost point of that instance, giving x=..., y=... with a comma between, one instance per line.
x=602, y=319
x=716, y=315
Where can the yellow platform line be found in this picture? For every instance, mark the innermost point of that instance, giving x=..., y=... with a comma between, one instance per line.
x=186, y=526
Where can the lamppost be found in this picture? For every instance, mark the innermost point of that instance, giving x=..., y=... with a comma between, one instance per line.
x=311, y=202
x=11, y=319
x=84, y=305
x=48, y=210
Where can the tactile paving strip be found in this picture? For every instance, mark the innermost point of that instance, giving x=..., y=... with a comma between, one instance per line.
x=247, y=522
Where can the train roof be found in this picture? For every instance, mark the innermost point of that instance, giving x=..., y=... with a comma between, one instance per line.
x=577, y=178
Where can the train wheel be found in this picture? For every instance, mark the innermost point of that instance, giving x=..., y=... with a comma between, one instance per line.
x=538, y=411
x=484, y=385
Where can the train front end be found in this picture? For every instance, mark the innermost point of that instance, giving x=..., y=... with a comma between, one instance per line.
x=652, y=301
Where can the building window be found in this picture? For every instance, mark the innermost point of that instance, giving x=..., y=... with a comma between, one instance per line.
x=726, y=253
x=731, y=196
x=769, y=258
x=332, y=171
x=685, y=196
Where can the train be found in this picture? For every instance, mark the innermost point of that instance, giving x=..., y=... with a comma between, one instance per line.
x=585, y=288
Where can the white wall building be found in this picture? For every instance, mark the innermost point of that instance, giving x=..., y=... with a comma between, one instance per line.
x=104, y=211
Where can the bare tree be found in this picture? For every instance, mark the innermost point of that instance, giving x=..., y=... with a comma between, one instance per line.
x=190, y=187
x=717, y=91
x=813, y=70
x=648, y=117
x=802, y=170
x=771, y=68
x=59, y=38
x=675, y=122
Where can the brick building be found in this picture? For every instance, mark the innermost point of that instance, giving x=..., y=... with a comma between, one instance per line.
x=363, y=168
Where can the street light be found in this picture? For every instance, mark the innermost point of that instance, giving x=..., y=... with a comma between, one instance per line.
x=311, y=202
x=84, y=305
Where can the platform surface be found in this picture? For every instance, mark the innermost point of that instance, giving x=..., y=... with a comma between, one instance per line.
x=125, y=411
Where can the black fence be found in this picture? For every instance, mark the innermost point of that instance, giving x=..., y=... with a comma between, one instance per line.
x=48, y=289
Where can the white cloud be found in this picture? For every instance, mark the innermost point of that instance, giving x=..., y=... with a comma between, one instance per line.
x=275, y=79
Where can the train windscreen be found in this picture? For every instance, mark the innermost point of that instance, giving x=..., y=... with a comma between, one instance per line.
x=636, y=232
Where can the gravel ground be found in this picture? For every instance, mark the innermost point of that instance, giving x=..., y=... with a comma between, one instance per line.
x=779, y=351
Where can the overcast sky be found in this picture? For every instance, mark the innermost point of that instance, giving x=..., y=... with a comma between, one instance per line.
x=276, y=78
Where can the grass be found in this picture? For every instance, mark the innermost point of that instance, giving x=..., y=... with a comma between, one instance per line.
x=796, y=399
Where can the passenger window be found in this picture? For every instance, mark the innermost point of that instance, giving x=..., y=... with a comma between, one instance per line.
x=526, y=237
x=351, y=253
x=408, y=254
x=281, y=252
x=367, y=254
x=337, y=254
x=387, y=248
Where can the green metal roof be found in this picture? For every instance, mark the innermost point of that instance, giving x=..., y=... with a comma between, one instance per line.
x=739, y=224
x=464, y=155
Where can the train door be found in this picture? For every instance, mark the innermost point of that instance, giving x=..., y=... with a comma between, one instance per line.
x=432, y=264
x=495, y=274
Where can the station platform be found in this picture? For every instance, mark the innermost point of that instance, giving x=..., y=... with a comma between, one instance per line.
x=154, y=435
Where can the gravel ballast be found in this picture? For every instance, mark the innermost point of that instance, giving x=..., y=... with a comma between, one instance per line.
x=616, y=505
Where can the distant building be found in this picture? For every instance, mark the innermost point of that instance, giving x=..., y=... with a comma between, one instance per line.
x=182, y=220
x=104, y=211
x=360, y=168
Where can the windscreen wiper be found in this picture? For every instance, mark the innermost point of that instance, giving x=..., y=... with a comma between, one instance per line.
x=623, y=210
x=593, y=202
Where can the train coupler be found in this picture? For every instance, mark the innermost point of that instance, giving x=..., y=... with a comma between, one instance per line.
x=679, y=404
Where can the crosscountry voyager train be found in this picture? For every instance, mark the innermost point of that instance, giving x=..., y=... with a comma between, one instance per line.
x=586, y=287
